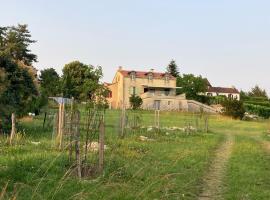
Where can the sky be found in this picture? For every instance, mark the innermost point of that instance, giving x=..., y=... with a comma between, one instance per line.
x=227, y=41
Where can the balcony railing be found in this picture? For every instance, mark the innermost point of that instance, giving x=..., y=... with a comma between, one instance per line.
x=157, y=94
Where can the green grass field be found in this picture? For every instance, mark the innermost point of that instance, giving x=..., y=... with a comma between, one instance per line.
x=172, y=166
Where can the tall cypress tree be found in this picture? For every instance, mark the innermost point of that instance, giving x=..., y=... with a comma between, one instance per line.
x=172, y=69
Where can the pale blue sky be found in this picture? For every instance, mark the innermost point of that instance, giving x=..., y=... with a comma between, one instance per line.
x=227, y=41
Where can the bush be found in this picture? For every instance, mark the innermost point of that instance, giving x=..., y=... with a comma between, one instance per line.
x=135, y=102
x=261, y=111
x=233, y=108
x=260, y=103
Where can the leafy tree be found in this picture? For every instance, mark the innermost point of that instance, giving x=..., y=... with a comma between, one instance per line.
x=81, y=81
x=15, y=42
x=233, y=108
x=257, y=92
x=49, y=82
x=135, y=101
x=173, y=69
x=18, y=91
x=191, y=85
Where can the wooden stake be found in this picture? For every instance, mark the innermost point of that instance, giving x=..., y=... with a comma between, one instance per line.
x=101, y=145
x=77, y=146
x=13, y=128
x=71, y=134
x=44, y=120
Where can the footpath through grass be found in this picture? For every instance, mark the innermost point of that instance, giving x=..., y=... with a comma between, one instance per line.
x=170, y=167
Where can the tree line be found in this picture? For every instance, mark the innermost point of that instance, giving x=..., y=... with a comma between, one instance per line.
x=255, y=101
x=21, y=91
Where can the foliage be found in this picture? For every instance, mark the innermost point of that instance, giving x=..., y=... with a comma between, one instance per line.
x=257, y=92
x=233, y=108
x=135, y=101
x=262, y=111
x=49, y=82
x=191, y=85
x=18, y=91
x=15, y=42
x=173, y=69
x=81, y=81
x=260, y=103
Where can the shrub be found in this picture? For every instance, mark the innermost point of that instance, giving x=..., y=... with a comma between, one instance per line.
x=135, y=101
x=261, y=111
x=260, y=103
x=233, y=108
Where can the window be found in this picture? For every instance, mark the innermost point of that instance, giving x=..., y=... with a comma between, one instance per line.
x=109, y=95
x=167, y=92
x=167, y=78
x=133, y=76
x=150, y=77
x=169, y=103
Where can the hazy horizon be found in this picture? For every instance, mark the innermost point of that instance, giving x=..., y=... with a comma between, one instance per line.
x=225, y=41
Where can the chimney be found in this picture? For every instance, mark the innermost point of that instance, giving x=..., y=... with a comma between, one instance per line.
x=120, y=68
x=152, y=70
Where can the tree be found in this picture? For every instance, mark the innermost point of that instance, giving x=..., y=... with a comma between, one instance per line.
x=233, y=108
x=18, y=92
x=135, y=101
x=80, y=81
x=15, y=42
x=173, y=69
x=257, y=92
x=49, y=82
x=191, y=85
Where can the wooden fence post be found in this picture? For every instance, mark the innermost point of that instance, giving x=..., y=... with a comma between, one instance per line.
x=77, y=145
x=44, y=120
x=71, y=134
x=101, y=145
x=13, y=128
x=123, y=120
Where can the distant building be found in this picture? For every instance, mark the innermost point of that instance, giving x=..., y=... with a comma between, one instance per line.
x=229, y=92
x=157, y=90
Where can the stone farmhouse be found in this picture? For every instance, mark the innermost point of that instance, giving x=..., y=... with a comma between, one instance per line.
x=157, y=90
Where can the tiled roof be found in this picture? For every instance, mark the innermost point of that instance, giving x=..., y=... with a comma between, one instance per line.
x=222, y=90
x=142, y=74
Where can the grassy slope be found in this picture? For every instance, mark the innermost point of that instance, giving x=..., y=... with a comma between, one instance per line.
x=248, y=170
x=169, y=167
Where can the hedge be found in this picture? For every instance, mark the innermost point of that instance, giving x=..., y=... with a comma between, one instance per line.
x=259, y=103
x=261, y=111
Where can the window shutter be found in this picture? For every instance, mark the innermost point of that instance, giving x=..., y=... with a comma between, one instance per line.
x=137, y=90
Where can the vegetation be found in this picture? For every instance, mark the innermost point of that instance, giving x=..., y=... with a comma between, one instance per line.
x=256, y=102
x=169, y=167
x=191, y=85
x=80, y=81
x=135, y=101
x=234, y=108
x=15, y=42
x=173, y=69
x=17, y=92
x=262, y=111
x=257, y=92
x=49, y=82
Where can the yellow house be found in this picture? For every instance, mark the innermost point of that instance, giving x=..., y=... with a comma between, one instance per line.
x=157, y=90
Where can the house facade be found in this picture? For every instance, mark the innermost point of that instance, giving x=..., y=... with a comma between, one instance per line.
x=229, y=92
x=157, y=90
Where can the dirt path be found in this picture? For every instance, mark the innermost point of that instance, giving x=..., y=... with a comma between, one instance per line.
x=212, y=181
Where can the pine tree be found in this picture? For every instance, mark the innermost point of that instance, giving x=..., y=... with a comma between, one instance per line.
x=173, y=69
